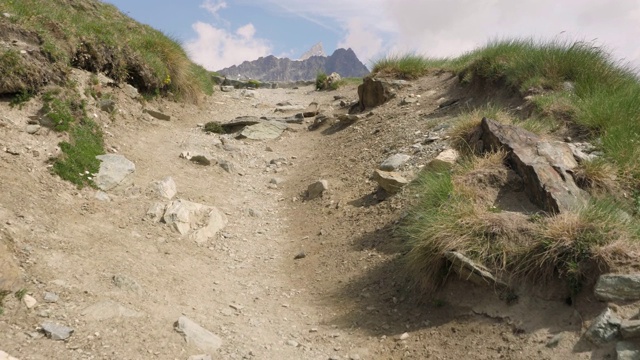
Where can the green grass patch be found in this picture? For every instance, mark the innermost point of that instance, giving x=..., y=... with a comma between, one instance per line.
x=95, y=36
x=78, y=164
x=408, y=66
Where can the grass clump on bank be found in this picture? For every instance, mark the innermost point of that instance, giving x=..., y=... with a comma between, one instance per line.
x=572, y=86
x=97, y=37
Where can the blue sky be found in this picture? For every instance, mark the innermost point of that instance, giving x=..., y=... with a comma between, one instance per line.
x=221, y=33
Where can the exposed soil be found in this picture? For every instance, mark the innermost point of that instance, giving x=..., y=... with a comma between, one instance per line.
x=344, y=299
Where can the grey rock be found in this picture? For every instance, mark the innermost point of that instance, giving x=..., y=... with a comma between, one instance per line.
x=227, y=88
x=227, y=166
x=114, y=170
x=276, y=181
x=56, y=331
x=317, y=189
x=32, y=129
x=472, y=271
x=300, y=255
x=349, y=118
x=158, y=115
x=583, y=152
x=254, y=213
x=165, y=188
x=108, y=309
x=107, y=105
x=131, y=91
x=156, y=212
x=311, y=110
x=292, y=343
x=394, y=162
x=248, y=93
x=102, y=196
x=198, y=336
x=604, y=329
x=390, y=181
x=630, y=329
x=240, y=122
x=51, y=297
x=626, y=350
x=263, y=131
x=199, y=222
x=545, y=166
x=126, y=283
x=618, y=287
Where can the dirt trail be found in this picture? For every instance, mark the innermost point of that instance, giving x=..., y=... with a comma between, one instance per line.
x=343, y=300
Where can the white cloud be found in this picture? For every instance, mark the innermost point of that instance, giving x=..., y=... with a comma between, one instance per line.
x=216, y=48
x=449, y=28
x=213, y=6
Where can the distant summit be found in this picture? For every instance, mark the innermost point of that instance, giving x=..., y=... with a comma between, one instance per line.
x=316, y=50
x=271, y=68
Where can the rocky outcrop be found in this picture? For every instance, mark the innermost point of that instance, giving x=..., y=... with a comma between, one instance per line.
x=375, y=92
x=618, y=287
x=271, y=68
x=545, y=166
x=316, y=50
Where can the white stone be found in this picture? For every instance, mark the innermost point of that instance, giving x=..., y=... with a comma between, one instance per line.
x=195, y=334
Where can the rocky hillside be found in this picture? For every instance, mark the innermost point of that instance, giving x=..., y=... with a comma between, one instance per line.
x=271, y=68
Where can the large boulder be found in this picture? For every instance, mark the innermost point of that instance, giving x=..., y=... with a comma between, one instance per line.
x=545, y=166
x=374, y=92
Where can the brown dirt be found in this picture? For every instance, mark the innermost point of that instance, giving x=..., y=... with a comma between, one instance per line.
x=345, y=299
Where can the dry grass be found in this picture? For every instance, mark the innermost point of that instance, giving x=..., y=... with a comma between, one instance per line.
x=597, y=176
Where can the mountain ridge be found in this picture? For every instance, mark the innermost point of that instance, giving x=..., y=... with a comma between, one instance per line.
x=270, y=68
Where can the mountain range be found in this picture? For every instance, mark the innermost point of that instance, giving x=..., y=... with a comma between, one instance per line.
x=270, y=68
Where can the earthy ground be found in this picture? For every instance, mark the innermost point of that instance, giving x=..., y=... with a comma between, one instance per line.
x=344, y=300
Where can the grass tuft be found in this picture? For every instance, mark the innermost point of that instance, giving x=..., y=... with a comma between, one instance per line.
x=408, y=66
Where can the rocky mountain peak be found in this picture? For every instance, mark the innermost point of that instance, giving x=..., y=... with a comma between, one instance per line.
x=316, y=50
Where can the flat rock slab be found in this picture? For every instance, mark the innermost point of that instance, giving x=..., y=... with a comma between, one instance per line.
x=266, y=130
x=630, y=329
x=618, y=287
x=288, y=108
x=158, y=115
x=240, y=122
x=56, y=331
x=114, y=170
x=546, y=167
x=109, y=310
x=198, y=336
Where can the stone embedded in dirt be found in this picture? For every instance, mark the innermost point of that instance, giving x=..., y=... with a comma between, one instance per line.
x=158, y=115
x=108, y=309
x=227, y=166
x=32, y=129
x=618, y=287
x=126, y=283
x=444, y=160
x=374, y=92
x=107, y=105
x=114, y=170
x=227, y=88
x=29, y=301
x=394, y=162
x=300, y=255
x=56, y=331
x=390, y=181
x=240, y=122
x=248, y=93
x=317, y=189
x=604, y=329
x=199, y=222
x=4, y=355
x=266, y=130
x=349, y=118
x=311, y=110
x=196, y=335
x=545, y=166
x=51, y=297
x=165, y=188
x=469, y=270
x=289, y=108
x=555, y=340
x=10, y=279
x=131, y=91
x=630, y=329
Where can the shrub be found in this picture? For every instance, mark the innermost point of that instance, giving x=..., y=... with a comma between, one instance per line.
x=214, y=127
